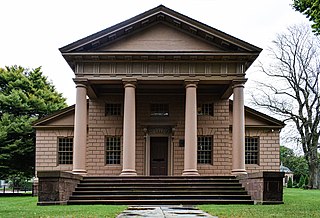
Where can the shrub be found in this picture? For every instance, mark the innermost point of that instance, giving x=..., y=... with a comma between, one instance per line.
x=306, y=182
x=289, y=185
x=301, y=181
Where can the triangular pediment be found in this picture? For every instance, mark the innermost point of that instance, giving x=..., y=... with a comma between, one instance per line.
x=161, y=37
x=169, y=29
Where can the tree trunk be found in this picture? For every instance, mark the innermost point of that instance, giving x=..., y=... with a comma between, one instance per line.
x=313, y=175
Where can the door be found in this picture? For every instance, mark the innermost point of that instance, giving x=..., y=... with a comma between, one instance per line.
x=159, y=156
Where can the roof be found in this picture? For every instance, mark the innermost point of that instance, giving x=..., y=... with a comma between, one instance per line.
x=285, y=169
x=273, y=122
x=160, y=14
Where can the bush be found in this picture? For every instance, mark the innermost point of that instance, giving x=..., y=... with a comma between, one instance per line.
x=306, y=182
x=289, y=185
x=301, y=181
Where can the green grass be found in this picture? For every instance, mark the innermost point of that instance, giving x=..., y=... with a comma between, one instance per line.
x=24, y=207
x=297, y=203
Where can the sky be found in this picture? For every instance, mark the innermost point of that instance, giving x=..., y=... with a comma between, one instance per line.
x=32, y=31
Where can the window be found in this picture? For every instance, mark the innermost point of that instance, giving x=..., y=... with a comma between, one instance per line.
x=112, y=109
x=205, y=109
x=252, y=150
x=159, y=110
x=65, y=150
x=205, y=149
x=113, y=150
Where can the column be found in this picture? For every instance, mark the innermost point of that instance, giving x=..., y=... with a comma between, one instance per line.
x=80, y=130
x=238, y=130
x=129, y=130
x=190, y=134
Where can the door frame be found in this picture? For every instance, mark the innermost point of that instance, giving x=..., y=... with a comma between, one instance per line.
x=158, y=132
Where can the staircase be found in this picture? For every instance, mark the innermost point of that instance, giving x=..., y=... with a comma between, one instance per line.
x=155, y=190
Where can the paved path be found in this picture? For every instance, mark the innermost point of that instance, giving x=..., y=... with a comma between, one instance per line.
x=163, y=212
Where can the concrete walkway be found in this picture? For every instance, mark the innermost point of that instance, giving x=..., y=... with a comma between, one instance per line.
x=163, y=212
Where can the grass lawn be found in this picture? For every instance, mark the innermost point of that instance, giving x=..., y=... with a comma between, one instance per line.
x=24, y=207
x=297, y=203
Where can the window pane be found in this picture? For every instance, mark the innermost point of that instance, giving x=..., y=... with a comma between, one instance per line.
x=205, y=149
x=205, y=109
x=159, y=110
x=65, y=150
x=112, y=109
x=113, y=150
x=252, y=150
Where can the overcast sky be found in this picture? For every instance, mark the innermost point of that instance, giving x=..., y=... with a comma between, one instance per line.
x=33, y=30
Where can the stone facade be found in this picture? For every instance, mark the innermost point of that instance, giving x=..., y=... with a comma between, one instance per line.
x=218, y=126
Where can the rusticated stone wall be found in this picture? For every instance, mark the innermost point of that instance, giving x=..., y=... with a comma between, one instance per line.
x=55, y=187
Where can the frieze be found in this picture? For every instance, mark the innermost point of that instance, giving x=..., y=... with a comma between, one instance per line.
x=115, y=69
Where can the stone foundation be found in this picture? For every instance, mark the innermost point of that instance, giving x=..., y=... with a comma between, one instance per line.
x=264, y=187
x=55, y=187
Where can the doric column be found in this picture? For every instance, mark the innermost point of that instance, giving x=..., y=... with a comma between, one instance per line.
x=238, y=130
x=80, y=130
x=190, y=134
x=129, y=130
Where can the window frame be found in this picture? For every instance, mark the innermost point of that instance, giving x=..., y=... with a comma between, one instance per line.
x=61, y=155
x=205, y=161
x=163, y=110
x=117, y=156
x=255, y=154
x=202, y=109
x=114, y=106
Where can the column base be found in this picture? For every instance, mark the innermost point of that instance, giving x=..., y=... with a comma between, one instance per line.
x=128, y=173
x=190, y=173
x=238, y=172
x=81, y=172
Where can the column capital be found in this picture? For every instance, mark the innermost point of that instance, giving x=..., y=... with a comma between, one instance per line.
x=81, y=82
x=238, y=83
x=191, y=83
x=129, y=82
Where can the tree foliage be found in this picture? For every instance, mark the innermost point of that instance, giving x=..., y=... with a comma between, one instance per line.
x=297, y=164
x=25, y=96
x=310, y=8
x=290, y=183
x=293, y=92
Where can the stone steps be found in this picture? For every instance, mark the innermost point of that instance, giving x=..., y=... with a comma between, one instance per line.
x=160, y=190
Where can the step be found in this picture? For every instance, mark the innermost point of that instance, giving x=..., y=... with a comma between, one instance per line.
x=163, y=202
x=159, y=184
x=159, y=197
x=163, y=192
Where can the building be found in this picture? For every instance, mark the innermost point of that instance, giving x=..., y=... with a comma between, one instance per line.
x=158, y=88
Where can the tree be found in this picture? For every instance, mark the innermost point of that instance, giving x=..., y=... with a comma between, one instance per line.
x=25, y=96
x=301, y=182
x=310, y=8
x=293, y=92
x=297, y=164
x=290, y=184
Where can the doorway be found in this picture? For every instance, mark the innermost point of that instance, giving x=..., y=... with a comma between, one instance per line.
x=159, y=156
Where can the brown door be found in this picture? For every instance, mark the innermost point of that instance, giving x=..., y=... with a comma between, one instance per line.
x=159, y=156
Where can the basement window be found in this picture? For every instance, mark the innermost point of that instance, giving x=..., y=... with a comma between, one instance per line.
x=65, y=150
x=204, y=150
x=252, y=150
x=113, y=150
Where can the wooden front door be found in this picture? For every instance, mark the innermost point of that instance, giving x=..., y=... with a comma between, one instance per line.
x=159, y=156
